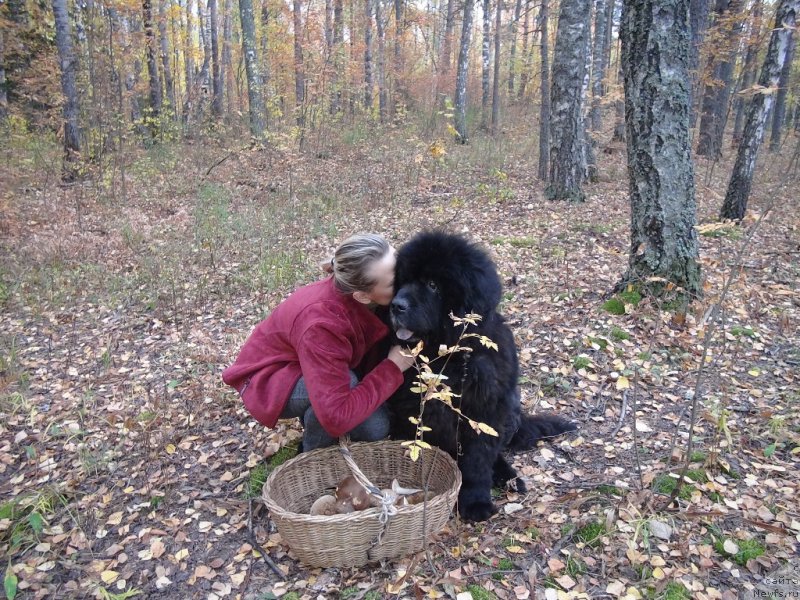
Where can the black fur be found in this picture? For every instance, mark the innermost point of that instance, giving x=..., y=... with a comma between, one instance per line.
x=438, y=274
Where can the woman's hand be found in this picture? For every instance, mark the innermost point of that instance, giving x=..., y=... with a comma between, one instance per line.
x=401, y=357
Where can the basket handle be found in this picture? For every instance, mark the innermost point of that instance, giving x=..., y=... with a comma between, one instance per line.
x=387, y=498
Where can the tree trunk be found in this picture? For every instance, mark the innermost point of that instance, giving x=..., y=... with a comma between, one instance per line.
x=188, y=62
x=264, y=64
x=447, y=41
x=598, y=62
x=496, y=81
x=66, y=58
x=150, y=53
x=299, y=65
x=486, y=52
x=607, y=42
x=698, y=19
x=544, y=111
x=512, y=58
x=399, y=28
x=368, y=55
x=779, y=114
x=226, y=74
x=383, y=91
x=567, y=166
x=3, y=92
x=526, y=53
x=169, y=84
x=216, y=75
x=717, y=92
x=735, y=204
x=203, y=78
x=338, y=58
x=748, y=71
x=254, y=95
x=461, y=73
x=663, y=214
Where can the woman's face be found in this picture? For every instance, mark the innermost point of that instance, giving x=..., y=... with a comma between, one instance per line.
x=382, y=273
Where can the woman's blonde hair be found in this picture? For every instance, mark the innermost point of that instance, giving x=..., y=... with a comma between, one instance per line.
x=352, y=259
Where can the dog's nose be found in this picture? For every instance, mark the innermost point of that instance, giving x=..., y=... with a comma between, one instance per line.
x=399, y=306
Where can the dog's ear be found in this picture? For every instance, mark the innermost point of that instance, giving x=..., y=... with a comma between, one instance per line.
x=481, y=287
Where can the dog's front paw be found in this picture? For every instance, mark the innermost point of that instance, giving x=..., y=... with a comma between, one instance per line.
x=517, y=485
x=476, y=511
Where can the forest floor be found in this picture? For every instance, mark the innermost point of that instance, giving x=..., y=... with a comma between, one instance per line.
x=125, y=463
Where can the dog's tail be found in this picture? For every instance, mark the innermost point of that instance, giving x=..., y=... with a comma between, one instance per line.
x=533, y=428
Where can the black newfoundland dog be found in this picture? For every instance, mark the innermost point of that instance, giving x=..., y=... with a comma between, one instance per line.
x=438, y=274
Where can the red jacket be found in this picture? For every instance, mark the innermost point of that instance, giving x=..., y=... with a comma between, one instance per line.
x=321, y=334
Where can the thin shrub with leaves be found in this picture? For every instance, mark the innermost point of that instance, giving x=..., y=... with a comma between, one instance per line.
x=431, y=384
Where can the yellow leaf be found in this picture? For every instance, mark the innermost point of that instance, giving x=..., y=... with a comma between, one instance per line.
x=170, y=448
x=181, y=554
x=515, y=549
x=623, y=383
x=109, y=576
x=658, y=573
x=487, y=429
x=755, y=372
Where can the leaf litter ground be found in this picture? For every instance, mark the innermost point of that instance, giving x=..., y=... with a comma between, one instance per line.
x=125, y=462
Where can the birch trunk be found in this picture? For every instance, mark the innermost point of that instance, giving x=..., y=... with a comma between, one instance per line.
x=496, y=80
x=734, y=206
x=567, y=164
x=544, y=111
x=461, y=73
x=66, y=59
x=663, y=241
x=254, y=95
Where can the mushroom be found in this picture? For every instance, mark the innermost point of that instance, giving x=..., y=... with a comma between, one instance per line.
x=324, y=506
x=350, y=493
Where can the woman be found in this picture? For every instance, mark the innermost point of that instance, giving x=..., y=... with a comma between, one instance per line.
x=314, y=356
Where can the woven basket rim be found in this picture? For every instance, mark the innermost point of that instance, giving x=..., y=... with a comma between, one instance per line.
x=364, y=515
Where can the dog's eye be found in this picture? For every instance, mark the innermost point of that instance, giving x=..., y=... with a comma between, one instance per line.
x=433, y=286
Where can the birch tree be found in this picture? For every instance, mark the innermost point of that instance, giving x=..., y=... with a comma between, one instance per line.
x=663, y=244
x=567, y=167
x=66, y=59
x=461, y=73
x=734, y=206
x=544, y=90
x=254, y=95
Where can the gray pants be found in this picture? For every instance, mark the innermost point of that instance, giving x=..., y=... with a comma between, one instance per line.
x=374, y=428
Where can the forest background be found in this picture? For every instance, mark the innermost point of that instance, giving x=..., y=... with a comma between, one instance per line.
x=172, y=169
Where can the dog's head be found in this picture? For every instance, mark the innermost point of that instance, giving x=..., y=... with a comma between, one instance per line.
x=437, y=274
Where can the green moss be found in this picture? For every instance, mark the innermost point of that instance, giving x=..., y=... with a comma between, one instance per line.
x=740, y=331
x=532, y=532
x=615, y=306
x=630, y=296
x=598, y=341
x=697, y=475
x=575, y=568
x=504, y=564
x=697, y=456
x=590, y=533
x=282, y=455
x=620, y=334
x=675, y=591
x=258, y=477
x=748, y=549
x=581, y=362
x=479, y=593
x=664, y=484
x=609, y=490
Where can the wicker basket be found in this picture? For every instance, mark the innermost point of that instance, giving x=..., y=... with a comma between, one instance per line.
x=358, y=538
